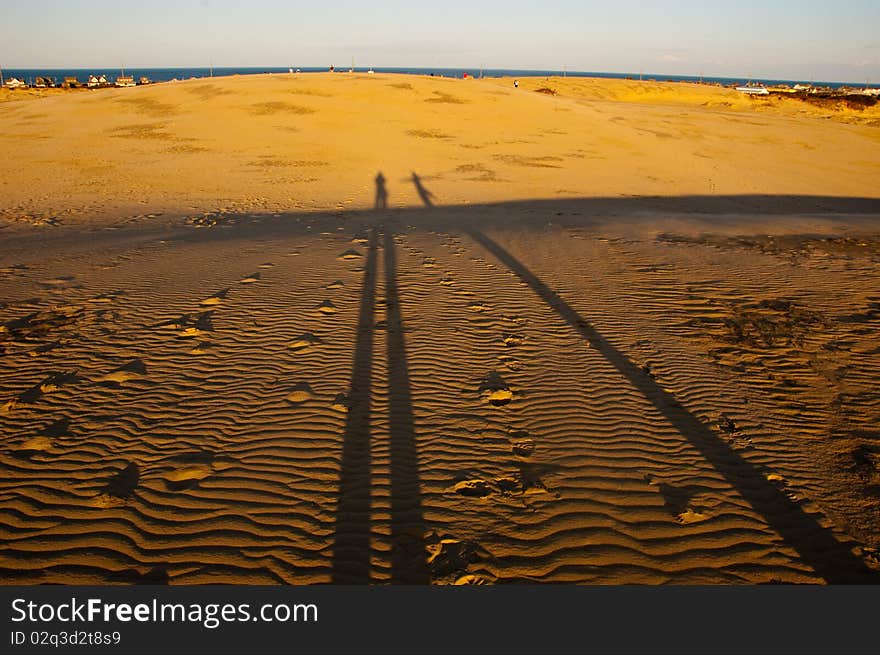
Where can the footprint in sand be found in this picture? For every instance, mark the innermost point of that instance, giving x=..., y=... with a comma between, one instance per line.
x=495, y=390
x=108, y=297
x=186, y=476
x=15, y=269
x=203, y=348
x=478, y=307
x=510, y=484
x=340, y=402
x=216, y=299
x=350, y=254
x=195, y=325
x=45, y=348
x=471, y=579
x=266, y=265
x=304, y=342
x=522, y=443
x=250, y=279
x=473, y=488
x=690, y=515
x=446, y=281
x=45, y=441
x=190, y=325
x=133, y=370
x=327, y=308
x=680, y=502
x=50, y=384
x=337, y=284
x=187, y=470
x=300, y=393
x=782, y=484
x=510, y=363
x=429, y=262
x=38, y=326
x=120, y=487
x=506, y=485
x=447, y=555
x=35, y=445
x=62, y=282
x=512, y=340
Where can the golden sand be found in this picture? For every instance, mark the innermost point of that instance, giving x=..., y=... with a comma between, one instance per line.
x=275, y=143
x=634, y=338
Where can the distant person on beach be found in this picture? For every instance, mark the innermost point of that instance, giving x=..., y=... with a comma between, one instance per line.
x=516, y=84
x=381, y=192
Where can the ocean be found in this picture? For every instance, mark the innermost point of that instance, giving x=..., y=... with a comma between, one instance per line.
x=168, y=74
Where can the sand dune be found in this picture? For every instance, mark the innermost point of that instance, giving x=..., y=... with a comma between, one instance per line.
x=253, y=379
x=278, y=143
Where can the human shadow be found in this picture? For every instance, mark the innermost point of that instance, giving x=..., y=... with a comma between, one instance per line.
x=351, y=549
x=818, y=547
x=424, y=194
x=381, y=192
x=408, y=562
x=351, y=546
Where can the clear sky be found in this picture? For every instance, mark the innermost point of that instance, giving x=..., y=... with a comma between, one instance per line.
x=791, y=39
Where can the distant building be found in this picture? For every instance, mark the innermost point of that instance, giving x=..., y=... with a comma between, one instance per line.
x=124, y=81
x=96, y=81
x=14, y=83
x=70, y=83
x=145, y=80
x=44, y=83
x=753, y=89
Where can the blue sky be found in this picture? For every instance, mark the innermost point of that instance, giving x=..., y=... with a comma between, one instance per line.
x=783, y=39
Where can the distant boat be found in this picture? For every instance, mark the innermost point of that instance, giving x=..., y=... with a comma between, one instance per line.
x=753, y=90
x=124, y=81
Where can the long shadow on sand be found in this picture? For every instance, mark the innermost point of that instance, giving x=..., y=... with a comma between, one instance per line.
x=818, y=547
x=408, y=564
x=351, y=548
x=351, y=551
x=351, y=554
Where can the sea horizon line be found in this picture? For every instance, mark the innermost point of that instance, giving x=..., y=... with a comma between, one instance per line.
x=473, y=71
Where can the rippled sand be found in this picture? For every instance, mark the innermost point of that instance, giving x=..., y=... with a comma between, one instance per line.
x=600, y=389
